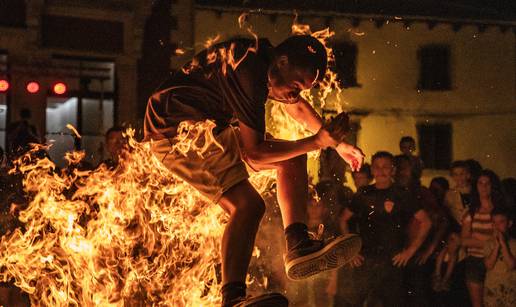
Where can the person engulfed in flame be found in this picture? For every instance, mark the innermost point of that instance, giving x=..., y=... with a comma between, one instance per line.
x=228, y=84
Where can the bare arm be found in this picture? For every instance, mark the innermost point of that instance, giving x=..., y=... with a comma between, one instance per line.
x=490, y=260
x=305, y=114
x=425, y=224
x=440, y=231
x=263, y=151
x=424, y=227
x=508, y=257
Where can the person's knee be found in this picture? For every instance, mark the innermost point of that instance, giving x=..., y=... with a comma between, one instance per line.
x=244, y=201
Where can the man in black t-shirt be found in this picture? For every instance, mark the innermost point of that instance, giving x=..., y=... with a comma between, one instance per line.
x=380, y=213
x=229, y=83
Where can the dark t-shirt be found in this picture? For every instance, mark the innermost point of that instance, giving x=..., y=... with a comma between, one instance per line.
x=214, y=89
x=381, y=218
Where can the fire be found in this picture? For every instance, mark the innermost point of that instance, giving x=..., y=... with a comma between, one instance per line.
x=133, y=235
x=130, y=236
x=330, y=83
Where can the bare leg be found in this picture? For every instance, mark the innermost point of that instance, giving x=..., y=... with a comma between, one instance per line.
x=476, y=293
x=246, y=208
x=313, y=257
x=292, y=182
x=453, y=252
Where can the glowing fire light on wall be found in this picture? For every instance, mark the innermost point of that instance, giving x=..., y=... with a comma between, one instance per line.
x=59, y=88
x=4, y=85
x=32, y=87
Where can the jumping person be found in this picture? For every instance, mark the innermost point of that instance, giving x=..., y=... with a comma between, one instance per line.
x=229, y=84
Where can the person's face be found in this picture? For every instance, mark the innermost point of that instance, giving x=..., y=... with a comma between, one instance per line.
x=460, y=176
x=501, y=223
x=404, y=173
x=407, y=148
x=383, y=170
x=286, y=82
x=484, y=186
x=115, y=143
x=361, y=180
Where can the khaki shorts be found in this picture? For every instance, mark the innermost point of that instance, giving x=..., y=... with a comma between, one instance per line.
x=214, y=173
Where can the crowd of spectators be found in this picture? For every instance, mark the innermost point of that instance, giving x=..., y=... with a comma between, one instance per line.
x=449, y=244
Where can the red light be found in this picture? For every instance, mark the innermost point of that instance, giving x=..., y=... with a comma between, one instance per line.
x=4, y=85
x=32, y=87
x=59, y=88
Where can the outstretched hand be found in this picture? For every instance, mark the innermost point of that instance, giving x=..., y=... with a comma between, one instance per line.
x=351, y=154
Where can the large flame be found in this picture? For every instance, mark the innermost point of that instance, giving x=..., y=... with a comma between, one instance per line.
x=135, y=235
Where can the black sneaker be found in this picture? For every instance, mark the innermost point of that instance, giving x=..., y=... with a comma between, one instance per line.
x=265, y=300
x=316, y=256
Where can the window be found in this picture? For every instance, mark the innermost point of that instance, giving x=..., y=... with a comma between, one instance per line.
x=346, y=63
x=12, y=13
x=434, y=68
x=435, y=141
x=89, y=108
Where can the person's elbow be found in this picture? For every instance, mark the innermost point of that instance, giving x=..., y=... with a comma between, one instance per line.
x=255, y=155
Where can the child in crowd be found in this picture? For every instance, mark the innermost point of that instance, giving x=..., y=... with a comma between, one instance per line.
x=500, y=283
x=408, y=148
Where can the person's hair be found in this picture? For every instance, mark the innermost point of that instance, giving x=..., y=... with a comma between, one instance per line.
x=382, y=154
x=460, y=164
x=443, y=182
x=475, y=168
x=114, y=129
x=1, y=154
x=25, y=113
x=414, y=175
x=407, y=139
x=502, y=211
x=366, y=169
x=306, y=52
x=497, y=197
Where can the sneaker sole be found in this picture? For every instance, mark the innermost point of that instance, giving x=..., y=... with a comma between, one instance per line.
x=334, y=255
x=265, y=300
